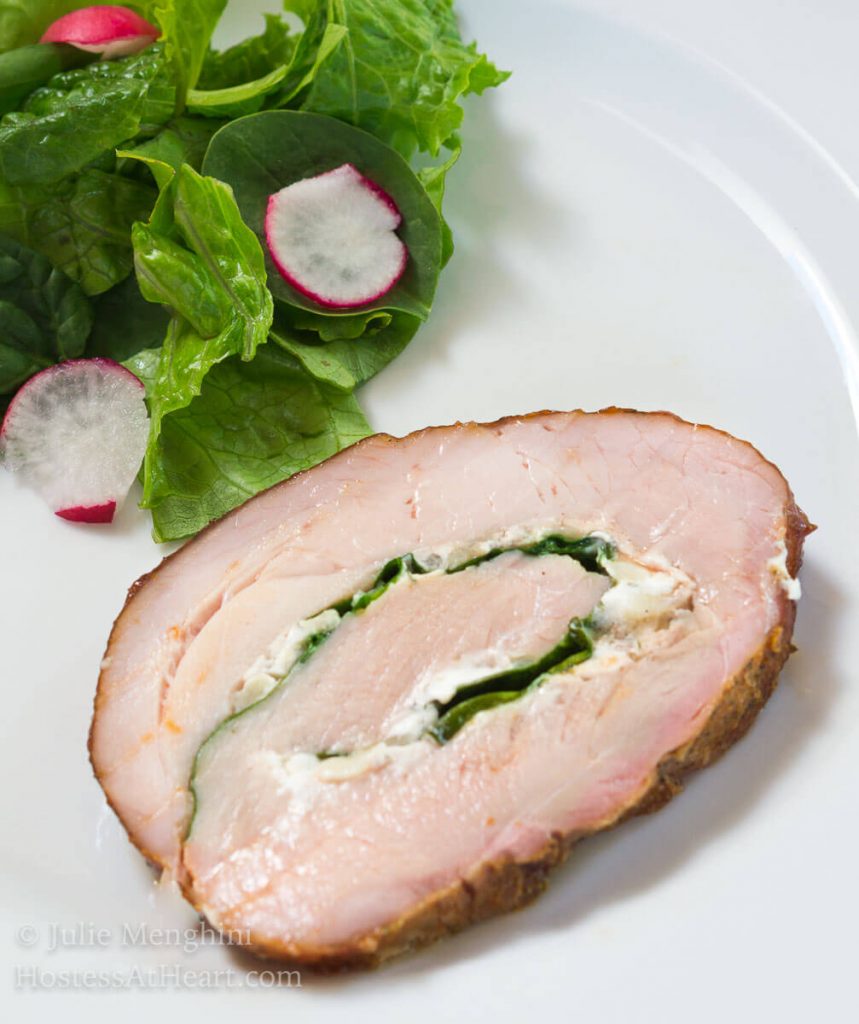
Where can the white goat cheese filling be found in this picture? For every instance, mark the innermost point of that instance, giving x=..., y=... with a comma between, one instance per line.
x=643, y=596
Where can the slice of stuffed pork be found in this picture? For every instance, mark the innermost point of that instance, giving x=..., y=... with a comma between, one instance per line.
x=382, y=699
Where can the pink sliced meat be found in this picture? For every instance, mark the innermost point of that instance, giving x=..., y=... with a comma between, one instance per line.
x=360, y=682
x=348, y=859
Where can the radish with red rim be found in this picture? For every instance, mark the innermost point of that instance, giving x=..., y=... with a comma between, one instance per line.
x=289, y=146
x=333, y=238
x=76, y=433
x=109, y=31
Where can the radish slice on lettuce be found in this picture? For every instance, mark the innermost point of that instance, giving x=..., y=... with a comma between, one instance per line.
x=333, y=238
x=109, y=31
x=76, y=433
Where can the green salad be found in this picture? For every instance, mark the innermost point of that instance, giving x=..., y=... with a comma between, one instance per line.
x=136, y=222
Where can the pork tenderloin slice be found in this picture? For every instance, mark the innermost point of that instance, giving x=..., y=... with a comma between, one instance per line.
x=318, y=871
x=381, y=672
x=688, y=496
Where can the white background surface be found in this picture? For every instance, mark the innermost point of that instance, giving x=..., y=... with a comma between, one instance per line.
x=659, y=210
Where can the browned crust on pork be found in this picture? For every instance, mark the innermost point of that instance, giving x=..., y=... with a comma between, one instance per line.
x=507, y=884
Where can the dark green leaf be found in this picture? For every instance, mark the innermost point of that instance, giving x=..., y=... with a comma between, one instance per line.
x=80, y=114
x=589, y=551
x=260, y=154
x=335, y=328
x=576, y=646
x=392, y=573
x=20, y=355
x=82, y=224
x=125, y=323
x=29, y=67
x=347, y=363
x=452, y=721
x=44, y=315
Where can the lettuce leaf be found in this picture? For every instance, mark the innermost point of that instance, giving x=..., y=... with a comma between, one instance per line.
x=252, y=425
x=317, y=42
x=399, y=72
x=236, y=100
x=250, y=59
x=187, y=27
x=279, y=86
x=198, y=258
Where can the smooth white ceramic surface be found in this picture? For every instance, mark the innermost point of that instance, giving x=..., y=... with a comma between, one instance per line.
x=659, y=210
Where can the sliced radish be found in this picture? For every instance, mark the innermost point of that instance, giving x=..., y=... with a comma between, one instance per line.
x=110, y=31
x=333, y=238
x=76, y=433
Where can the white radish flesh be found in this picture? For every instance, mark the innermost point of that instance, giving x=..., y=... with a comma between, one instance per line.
x=333, y=238
x=76, y=433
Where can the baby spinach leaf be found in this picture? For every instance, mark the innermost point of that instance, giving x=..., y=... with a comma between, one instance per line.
x=29, y=67
x=260, y=154
x=589, y=551
x=452, y=721
x=72, y=121
x=334, y=328
x=347, y=363
x=125, y=323
x=44, y=315
x=82, y=224
x=399, y=72
x=253, y=425
x=575, y=647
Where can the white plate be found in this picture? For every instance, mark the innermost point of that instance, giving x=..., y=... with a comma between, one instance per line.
x=637, y=224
